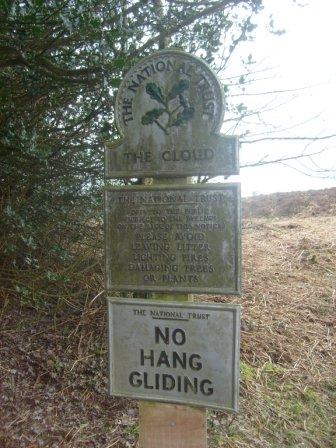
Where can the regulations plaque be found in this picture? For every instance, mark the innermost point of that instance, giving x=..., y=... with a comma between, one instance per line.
x=182, y=353
x=173, y=239
x=169, y=109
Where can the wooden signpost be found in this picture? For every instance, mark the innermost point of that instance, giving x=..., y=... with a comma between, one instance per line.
x=171, y=239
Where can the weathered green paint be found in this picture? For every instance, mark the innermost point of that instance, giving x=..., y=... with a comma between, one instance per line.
x=165, y=351
x=169, y=109
x=176, y=239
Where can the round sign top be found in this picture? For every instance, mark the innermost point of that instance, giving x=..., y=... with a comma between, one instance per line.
x=169, y=96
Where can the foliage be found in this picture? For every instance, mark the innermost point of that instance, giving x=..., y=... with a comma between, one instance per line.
x=178, y=89
x=151, y=116
x=175, y=118
x=155, y=92
x=61, y=63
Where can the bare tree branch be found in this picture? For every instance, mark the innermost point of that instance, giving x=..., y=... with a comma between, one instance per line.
x=263, y=161
x=324, y=137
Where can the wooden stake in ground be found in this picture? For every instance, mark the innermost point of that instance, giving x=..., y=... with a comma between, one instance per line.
x=171, y=426
x=164, y=425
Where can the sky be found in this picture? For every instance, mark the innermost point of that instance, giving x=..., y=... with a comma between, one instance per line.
x=300, y=63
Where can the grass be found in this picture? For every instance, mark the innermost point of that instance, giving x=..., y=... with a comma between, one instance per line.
x=53, y=359
x=288, y=357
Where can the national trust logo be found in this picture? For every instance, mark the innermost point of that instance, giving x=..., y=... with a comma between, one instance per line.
x=170, y=92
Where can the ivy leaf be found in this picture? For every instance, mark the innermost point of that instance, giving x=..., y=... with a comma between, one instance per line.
x=37, y=31
x=184, y=116
x=178, y=88
x=151, y=116
x=115, y=82
x=183, y=102
x=119, y=63
x=155, y=92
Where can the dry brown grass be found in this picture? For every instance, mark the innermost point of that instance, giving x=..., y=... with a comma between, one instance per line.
x=53, y=377
x=299, y=203
x=288, y=326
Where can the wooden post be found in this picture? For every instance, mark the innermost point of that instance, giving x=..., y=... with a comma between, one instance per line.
x=171, y=426
x=169, y=108
x=164, y=425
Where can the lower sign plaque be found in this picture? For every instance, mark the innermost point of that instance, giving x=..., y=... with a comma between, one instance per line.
x=173, y=239
x=174, y=352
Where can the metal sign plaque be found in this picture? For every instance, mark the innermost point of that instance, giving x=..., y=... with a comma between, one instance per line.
x=175, y=239
x=169, y=108
x=174, y=352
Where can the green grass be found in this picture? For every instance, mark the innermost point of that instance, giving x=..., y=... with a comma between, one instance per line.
x=285, y=413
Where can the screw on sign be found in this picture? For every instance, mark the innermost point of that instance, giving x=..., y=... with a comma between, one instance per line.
x=175, y=352
x=170, y=241
x=181, y=239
